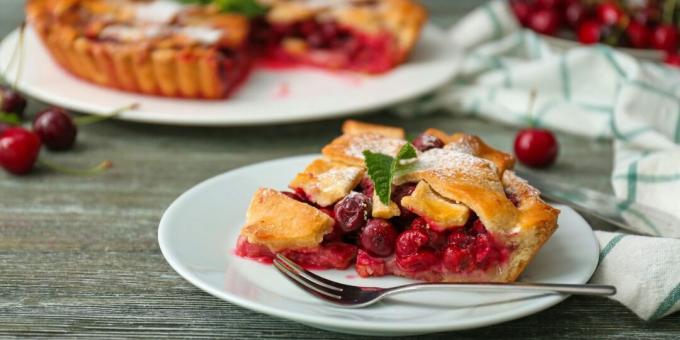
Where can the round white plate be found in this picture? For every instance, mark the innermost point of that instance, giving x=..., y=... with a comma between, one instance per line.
x=268, y=96
x=198, y=232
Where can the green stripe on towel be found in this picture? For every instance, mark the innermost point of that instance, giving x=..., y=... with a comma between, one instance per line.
x=610, y=245
x=667, y=303
x=497, y=30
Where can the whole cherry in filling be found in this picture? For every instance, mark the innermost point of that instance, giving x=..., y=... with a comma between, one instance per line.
x=413, y=255
x=426, y=142
x=351, y=212
x=378, y=237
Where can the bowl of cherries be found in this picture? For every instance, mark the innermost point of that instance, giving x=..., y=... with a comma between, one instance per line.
x=645, y=29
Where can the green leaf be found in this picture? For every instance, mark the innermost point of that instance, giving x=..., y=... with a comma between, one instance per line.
x=381, y=169
x=249, y=8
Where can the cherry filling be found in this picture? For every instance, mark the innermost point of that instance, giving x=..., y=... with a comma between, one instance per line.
x=337, y=255
x=424, y=253
x=326, y=44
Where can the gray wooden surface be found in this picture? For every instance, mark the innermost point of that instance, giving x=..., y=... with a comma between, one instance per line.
x=79, y=257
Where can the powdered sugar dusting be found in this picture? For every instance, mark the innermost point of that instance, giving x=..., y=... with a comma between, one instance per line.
x=338, y=177
x=375, y=143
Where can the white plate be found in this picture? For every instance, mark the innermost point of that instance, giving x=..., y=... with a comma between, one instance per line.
x=268, y=96
x=198, y=232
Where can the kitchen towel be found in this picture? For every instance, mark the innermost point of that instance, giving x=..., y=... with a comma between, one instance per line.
x=597, y=92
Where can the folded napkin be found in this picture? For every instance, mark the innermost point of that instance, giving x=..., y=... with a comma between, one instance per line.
x=595, y=92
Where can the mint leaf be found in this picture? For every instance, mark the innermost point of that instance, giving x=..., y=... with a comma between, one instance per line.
x=381, y=169
x=249, y=8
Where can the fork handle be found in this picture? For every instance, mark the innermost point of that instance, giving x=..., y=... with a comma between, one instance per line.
x=573, y=289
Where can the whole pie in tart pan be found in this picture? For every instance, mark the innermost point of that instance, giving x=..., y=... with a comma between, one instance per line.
x=452, y=211
x=189, y=49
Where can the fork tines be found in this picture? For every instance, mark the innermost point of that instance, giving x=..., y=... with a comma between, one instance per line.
x=307, y=280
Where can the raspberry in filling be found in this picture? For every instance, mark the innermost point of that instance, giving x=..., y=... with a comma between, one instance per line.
x=326, y=44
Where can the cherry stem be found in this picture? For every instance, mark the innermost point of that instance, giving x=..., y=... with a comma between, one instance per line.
x=668, y=11
x=20, y=65
x=95, y=170
x=91, y=119
x=530, y=108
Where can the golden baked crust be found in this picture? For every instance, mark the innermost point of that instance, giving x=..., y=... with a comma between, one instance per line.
x=355, y=127
x=326, y=182
x=434, y=208
x=280, y=222
x=104, y=42
x=349, y=148
x=474, y=145
x=169, y=49
x=465, y=176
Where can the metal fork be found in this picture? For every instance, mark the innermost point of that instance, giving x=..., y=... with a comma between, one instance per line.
x=356, y=297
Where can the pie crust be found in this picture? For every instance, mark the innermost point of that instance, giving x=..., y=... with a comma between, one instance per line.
x=481, y=222
x=167, y=48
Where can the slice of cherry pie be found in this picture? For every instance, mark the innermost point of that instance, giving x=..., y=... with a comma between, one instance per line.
x=195, y=49
x=456, y=213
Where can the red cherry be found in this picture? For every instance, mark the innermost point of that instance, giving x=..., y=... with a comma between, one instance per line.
x=378, y=237
x=638, y=34
x=522, y=10
x=55, y=128
x=12, y=102
x=609, y=13
x=672, y=59
x=665, y=37
x=419, y=261
x=536, y=147
x=19, y=149
x=575, y=13
x=589, y=32
x=545, y=21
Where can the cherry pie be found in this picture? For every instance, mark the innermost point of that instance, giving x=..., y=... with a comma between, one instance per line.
x=168, y=48
x=457, y=212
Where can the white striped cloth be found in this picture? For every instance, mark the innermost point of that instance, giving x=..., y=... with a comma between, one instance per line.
x=599, y=93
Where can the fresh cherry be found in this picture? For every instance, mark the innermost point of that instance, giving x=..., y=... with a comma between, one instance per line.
x=609, y=13
x=55, y=128
x=589, y=32
x=522, y=10
x=12, y=101
x=665, y=37
x=378, y=237
x=19, y=149
x=545, y=21
x=351, y=212
x=575, y=13
x=536, y=147
x=426, y=142
x=638, y=34
x=672, y=59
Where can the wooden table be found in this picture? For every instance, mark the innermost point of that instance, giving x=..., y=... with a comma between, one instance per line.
x=79, y=256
